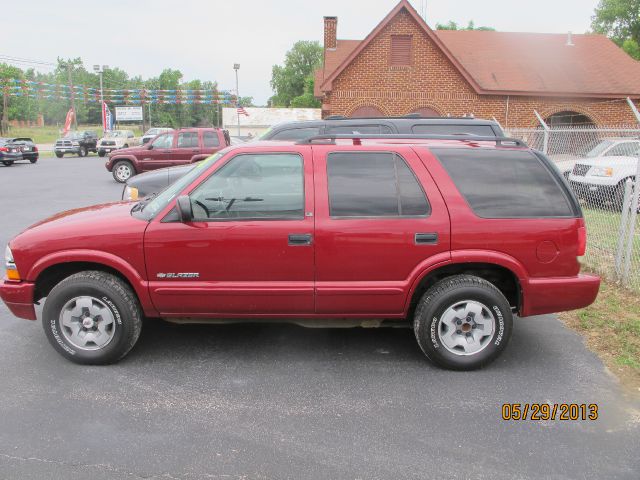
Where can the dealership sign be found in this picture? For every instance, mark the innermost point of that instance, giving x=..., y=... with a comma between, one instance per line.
x=127, y=114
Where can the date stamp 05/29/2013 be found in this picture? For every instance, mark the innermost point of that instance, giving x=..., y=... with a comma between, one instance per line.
x=549, y=411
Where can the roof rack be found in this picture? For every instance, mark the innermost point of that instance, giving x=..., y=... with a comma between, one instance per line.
x=407, y=116
x=500, y=141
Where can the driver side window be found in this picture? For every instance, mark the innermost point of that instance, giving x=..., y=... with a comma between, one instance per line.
x=252, y=186
x=163, y=141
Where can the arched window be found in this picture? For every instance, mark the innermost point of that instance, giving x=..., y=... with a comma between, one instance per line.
x=362, y=112
x=427, y=112
x=569, y=118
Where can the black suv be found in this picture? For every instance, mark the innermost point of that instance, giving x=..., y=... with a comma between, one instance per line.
x=151, y=182
x=80, y=143
x=410, y=124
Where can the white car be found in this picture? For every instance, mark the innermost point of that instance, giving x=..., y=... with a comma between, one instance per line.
x=115, y=140
x=609, y=147
x=153, y=133
x=601, y=180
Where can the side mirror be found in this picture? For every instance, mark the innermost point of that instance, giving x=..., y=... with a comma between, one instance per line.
x=183, y=206
x=150, y=147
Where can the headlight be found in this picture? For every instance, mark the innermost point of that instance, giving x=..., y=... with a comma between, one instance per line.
x=10, y=265
x=75, y=144
x=601, y=171
x=130, y=193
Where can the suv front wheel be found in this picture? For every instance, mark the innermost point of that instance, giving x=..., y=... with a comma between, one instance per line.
x=463, y=322
x=92, y=318
x=123, y=171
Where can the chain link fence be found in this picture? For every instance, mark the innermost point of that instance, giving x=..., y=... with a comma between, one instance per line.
x=602, y=167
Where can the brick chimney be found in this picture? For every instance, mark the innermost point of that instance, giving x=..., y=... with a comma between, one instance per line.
x=330, y=33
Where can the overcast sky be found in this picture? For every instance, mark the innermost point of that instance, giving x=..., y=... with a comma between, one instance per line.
x=203, y=39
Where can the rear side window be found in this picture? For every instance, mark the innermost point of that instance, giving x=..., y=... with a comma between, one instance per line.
x=480, y=130
x=187, y=139
x=296, y=133
x=372, y=184
x=210, y=139
x=505, y=183
x=359, y=129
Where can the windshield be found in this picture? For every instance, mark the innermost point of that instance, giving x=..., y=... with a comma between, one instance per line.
x=159, y=202
x=599, y=149
x=116, y=134
x=72, y=135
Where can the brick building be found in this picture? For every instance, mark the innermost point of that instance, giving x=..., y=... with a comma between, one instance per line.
x=403, y=66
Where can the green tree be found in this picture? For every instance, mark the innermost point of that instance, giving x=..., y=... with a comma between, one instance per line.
x=307, y=99
x=289, y=81
x=451, y=25
x=620, y=21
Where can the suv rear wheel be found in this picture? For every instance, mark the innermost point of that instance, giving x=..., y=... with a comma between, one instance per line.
x=463, y=322
x=92, y=318
x=123, y=171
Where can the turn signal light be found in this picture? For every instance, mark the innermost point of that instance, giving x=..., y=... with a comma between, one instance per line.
x=13, y=275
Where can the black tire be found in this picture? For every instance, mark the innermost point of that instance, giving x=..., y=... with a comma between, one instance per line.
x=119, y=169
x=101, y=153
x=455, y=290
x=59, y=155
x=7, y=163
x=115, y=295
x=83, y=152
x=33, y=160
x=125, y=145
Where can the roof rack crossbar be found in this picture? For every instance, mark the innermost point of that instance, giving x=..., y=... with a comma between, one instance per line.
x=502, y=141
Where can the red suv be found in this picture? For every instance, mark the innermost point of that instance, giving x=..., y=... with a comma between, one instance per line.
x=453, y=235
x=178, y=147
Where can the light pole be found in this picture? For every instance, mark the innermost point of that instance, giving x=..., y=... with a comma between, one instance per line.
x=100, y=70
x=236, y=67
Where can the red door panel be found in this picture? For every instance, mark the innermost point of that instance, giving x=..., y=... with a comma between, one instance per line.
x=243, y=267
x=366, y=265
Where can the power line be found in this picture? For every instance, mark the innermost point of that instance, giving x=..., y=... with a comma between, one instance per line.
x=12, y=58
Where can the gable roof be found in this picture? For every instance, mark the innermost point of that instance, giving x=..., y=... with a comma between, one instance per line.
x=505, y=63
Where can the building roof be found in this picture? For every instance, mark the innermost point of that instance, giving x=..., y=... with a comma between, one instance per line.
x=506, y=63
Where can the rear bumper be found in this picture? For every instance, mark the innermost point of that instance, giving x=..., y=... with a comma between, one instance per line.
x=551, y=295
x=19, y=298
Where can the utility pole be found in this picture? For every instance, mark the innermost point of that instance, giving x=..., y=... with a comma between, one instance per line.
x=236, y=67
x=4, y=123
x=73, y=96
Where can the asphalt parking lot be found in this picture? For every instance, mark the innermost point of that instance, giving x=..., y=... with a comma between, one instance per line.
x=247, y=401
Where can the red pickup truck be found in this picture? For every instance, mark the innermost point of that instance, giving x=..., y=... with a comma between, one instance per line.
x=187, y=145
x=453, y=235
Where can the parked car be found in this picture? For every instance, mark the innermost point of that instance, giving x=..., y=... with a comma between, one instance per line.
x=149, y=183
x=601, y=180
x=410, y=124
x=9, y=152
x=79, y=143
x=179, y=147
x=609, y=147
x=115, y=140
x=153, y=133
x=452, y=235
x=28, y=148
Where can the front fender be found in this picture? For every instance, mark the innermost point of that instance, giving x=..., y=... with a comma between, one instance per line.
x=139, y=284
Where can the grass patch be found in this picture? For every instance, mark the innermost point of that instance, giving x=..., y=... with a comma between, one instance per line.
x=49, y=134
x=611, y=327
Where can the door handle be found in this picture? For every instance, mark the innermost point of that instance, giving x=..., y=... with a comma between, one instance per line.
x=426, y=238
x=299, y=239
x=196, y=150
